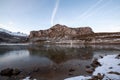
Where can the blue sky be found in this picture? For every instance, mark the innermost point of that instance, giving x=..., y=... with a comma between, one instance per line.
x=28, y=15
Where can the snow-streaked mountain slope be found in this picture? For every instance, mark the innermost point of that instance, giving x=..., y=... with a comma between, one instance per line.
x=13, y=33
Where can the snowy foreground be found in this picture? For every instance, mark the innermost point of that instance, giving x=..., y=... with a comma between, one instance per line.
x=110, y=68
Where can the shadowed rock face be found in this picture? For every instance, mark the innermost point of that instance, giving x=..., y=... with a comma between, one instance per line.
x=7, y=38
x=12, y=37
x=59, y=32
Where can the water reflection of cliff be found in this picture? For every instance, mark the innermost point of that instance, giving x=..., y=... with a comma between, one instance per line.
x=60, y=54
x=63, y=58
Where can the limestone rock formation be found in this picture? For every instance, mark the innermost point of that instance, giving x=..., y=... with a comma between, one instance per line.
x=59, y=32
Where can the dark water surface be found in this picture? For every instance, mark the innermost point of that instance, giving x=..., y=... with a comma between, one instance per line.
x=51, y=62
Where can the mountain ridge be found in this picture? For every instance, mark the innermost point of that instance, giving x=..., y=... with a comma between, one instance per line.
x=12, y=37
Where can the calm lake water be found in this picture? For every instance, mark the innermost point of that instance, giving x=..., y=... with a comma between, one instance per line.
x=51, y=62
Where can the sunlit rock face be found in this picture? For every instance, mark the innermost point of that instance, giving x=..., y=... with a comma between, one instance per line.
x=62, y=34
x=59, y=32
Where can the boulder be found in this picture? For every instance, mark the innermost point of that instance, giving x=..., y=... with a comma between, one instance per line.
x=87, y=66
x=89, y=70
x=16, y=71
x=6, y=72
x=97, y=77
x=9, y=72
x=71, y=70
x=118, y=56
x=95, y=63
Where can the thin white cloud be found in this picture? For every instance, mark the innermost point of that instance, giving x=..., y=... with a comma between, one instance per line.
x=90, y=9
x=91, y=13
x=54, y=11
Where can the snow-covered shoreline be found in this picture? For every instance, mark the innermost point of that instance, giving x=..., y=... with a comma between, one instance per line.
x=110, y=69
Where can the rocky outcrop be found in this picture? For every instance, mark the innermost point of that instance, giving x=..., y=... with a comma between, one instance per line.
x=66, y=35
x=9, y=72
x=101, y=38
x=59, y=32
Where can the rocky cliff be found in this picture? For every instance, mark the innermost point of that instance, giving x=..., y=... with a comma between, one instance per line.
x=83, y=35
x=101, y=38
x=59, y=32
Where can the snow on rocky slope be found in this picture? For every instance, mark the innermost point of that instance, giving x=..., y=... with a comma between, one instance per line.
x=13, y=33
x=12, y=37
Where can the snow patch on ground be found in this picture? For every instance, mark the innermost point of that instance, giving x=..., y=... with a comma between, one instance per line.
x=78, y=78
x=28, y=78
x=109, y=63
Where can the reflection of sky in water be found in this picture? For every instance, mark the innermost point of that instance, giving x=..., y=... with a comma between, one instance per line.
x=22, y=59
x=13, y=55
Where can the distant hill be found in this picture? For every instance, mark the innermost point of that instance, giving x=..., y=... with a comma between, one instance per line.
x=12, y=37
x=12, y=33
